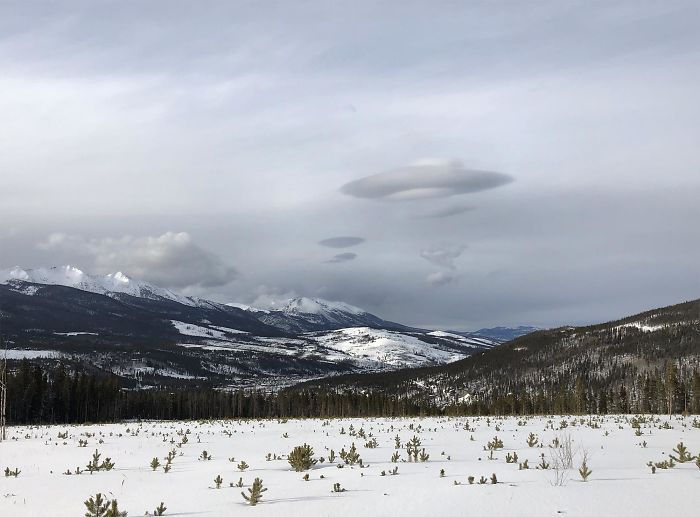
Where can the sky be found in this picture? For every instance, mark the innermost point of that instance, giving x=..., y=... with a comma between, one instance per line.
x=449, y=165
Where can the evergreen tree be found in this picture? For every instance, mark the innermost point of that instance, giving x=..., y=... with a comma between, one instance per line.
x=254, y=493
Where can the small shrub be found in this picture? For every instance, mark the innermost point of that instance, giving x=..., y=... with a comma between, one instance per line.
x=12, y=473
x=532, y=440
x=584, y=471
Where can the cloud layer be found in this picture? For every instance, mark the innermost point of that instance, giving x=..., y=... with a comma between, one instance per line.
x=238, y=126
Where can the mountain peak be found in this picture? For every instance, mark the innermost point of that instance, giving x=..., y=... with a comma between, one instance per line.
x=318, y=306
x=109, y=285
x=119, y=276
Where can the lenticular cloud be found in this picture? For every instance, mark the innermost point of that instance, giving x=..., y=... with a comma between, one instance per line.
x=428, y=180
x=341, y=242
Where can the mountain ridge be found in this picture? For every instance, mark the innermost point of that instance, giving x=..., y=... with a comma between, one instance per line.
x=151, y=335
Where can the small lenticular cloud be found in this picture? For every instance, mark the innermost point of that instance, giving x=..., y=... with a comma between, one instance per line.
x=447, y=211
x=342, y=257
x=341, y=242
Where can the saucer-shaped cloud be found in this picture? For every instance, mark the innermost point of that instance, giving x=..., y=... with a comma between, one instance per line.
x=447, y=211
x=341, y=242
x=426, y=180
x=342, y=257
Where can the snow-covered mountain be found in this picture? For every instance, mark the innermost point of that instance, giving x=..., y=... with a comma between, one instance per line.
x=143, y=332
x=310, y=314
x=113, y=284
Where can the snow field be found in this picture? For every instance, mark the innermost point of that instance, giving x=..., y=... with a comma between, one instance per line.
x=621, y=483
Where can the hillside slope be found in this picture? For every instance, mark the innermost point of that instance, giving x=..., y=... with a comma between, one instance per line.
x=644, y=360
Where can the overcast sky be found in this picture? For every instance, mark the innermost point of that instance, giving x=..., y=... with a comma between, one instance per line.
x=443, y=164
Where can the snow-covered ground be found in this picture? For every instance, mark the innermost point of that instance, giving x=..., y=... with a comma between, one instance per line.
x=29, y=354
x=384, y=347
x=621, y=483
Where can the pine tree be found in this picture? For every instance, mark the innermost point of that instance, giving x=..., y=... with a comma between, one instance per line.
x=413, y=448
x=301, y=458
x=255, y=492
x=113, y=510
x=96, y=506
x=682, y=454
x=584, y=471
x=671, y=385
x=352, y=457
x=94, y=464
x=532, y=440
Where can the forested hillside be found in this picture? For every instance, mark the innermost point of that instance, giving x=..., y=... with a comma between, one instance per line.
x=644, y=363
x=648, y=363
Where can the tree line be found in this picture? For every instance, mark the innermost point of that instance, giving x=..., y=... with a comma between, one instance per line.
x=40, y=394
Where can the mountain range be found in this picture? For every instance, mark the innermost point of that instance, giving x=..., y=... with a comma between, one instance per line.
x=148, y=335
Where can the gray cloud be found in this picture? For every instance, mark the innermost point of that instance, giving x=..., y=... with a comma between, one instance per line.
x=170, y=260
x=341, y=242
x=342, y=257
x=425, y=180
x=443, y=255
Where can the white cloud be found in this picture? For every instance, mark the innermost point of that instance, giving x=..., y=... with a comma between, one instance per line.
x=170, y=260
x=443, y=255
x=439, y=278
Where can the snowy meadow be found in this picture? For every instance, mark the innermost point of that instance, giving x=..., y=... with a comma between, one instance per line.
x=525, y=466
